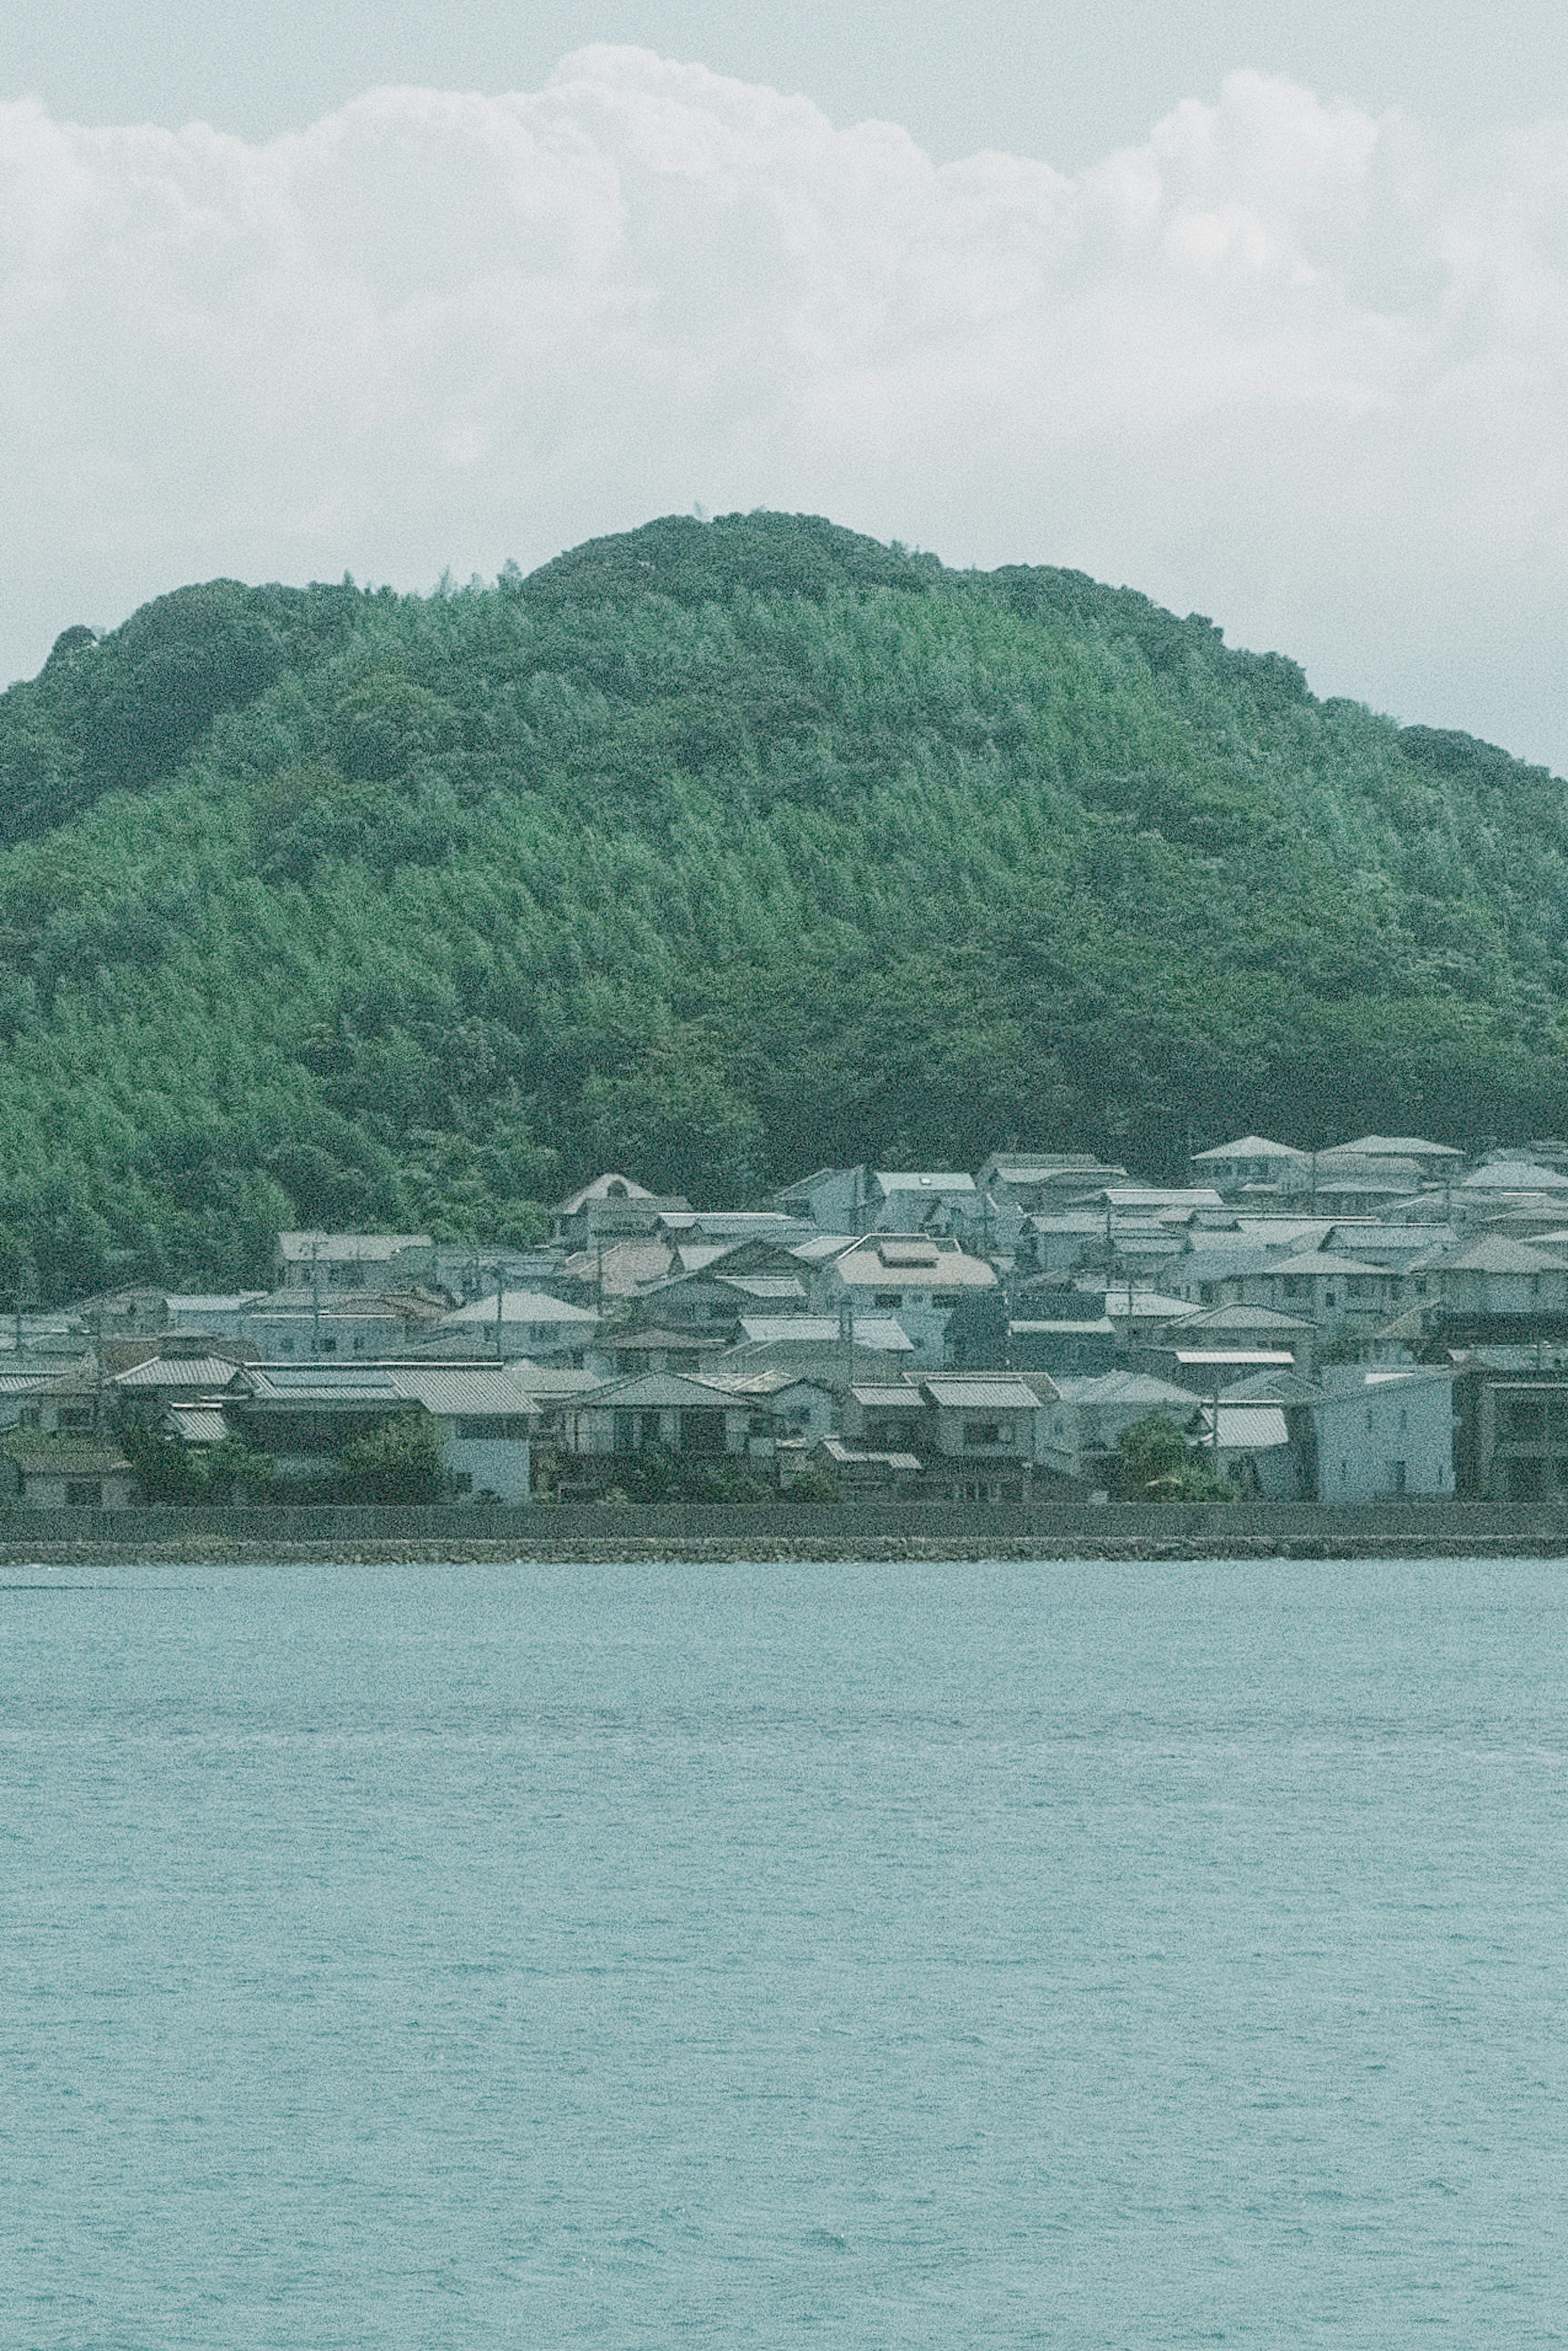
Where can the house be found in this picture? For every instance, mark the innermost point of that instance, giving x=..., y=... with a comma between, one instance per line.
x=860, y=1200
x=985, y=1433
x=979, y=1435
x=1080, y=1347
x=53, y=1472
x=861, y=1472
x=670, y=1412
x=1511, y=1433
x=1244, y=1327
x=485, y=1422
x=303, y=1414
x=1084, y=1418
x=1378, y=1433
x=1045, y=1183
x=1252, y=1159
x=1493, y=1274
x=610, y=1208
x=1323, y=1288
x=523, y=1322
x=798, y=1406
x=916, y=1279
x=1253, y=1451
x=831, y=1199
x=318, y=1262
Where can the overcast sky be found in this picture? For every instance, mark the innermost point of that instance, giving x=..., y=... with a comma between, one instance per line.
x=1259, y=309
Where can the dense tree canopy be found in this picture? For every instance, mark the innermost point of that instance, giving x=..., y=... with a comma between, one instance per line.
x=717, y=852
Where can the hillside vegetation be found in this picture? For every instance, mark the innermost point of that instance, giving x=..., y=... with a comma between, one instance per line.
x=717, y=852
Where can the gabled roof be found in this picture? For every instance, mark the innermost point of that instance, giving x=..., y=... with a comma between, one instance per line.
x=1495, y=1253
x=519, y=1306
x=887, y=1395
x=1250, y=1146
x=1260, y=1319
x=1514, y=1176
x=609, y=1187
x=1399, y=1147
x=1123, y=1387
x=656, y=1391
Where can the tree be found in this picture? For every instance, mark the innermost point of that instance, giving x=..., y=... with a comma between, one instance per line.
x=399, y=1461
x=1155, y=1463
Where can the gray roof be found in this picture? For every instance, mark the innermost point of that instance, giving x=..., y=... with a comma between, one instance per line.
x=311, y=1384
x=987, y=1395
x=454, y=1389
x=884, y=1396
x=199, y=1371
x=1400, y=1146
x=1250, y=1146
x=520, y=1306
x=878, y=1333
x=1123, y=1387
x=1248, y=1427
x=928, y=1183
x=1514, y=1176
x=199, y=1423
x=673, y=1391
x=1240, y=1318
x=1319, y=1261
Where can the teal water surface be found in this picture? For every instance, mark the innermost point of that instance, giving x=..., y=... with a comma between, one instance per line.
x=869, y=1956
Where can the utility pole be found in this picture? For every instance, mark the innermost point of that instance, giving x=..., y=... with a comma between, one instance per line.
x=315, y=1299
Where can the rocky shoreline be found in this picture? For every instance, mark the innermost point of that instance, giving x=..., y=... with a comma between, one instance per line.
x=212, y=1550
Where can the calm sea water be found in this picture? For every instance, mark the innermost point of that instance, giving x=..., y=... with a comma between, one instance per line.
x=740, y=1956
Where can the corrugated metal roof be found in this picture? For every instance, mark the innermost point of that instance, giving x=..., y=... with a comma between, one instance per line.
x=982, y=1396
x=902, y=1398
x=324, y=1384
x=178, y=1372
x=199, y=1423
x=462, y=1388
x=1248, y=1428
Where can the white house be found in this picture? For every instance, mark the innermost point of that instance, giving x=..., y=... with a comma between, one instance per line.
x=1380, y=1432
x=523, y=1322
x=916, y=1279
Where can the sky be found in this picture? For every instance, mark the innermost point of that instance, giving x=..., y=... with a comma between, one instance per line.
x=1263, y=310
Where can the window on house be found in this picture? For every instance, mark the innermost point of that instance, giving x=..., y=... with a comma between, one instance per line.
x=328, y=1347
x=893, y=1298
x=82, y=1493
x=978, y=1433
x=75, y=1416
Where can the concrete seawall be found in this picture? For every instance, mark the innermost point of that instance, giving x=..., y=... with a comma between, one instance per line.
x=785, y=1529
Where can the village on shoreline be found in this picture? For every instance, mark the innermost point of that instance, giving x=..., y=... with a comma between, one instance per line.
x=1381, y=1319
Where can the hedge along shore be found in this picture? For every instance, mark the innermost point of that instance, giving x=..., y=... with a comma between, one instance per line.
x=217, y=1552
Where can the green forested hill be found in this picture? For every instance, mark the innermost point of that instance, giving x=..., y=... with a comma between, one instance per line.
x=715, y=852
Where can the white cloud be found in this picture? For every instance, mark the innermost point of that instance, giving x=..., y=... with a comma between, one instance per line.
x=1300, y=368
